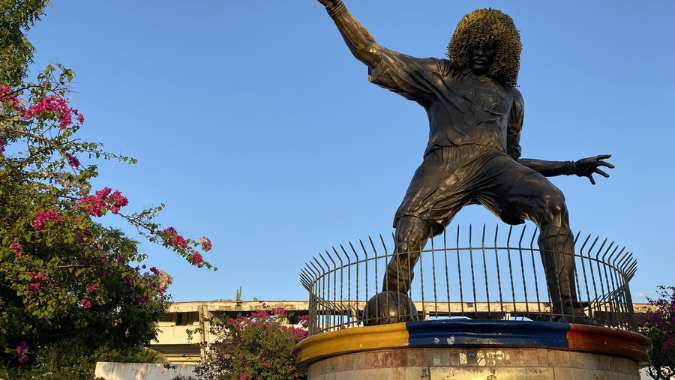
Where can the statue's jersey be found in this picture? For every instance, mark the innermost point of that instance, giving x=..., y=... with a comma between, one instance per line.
x=463, y=109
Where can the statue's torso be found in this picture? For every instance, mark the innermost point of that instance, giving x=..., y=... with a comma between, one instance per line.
x=468, y=110
x=463, y=109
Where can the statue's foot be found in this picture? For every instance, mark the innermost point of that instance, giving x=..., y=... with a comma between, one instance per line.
x=389, y=307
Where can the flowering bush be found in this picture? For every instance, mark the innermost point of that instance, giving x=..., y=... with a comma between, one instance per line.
x=257, y=346
x=658, y=324
x=66, y=280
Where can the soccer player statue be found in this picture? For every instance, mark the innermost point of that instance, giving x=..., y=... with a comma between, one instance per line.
x=473, y=155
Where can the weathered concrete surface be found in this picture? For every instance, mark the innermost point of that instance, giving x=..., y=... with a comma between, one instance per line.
x=141, y=371
x=472, y=363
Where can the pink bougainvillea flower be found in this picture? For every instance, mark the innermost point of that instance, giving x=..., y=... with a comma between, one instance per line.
x=80, y=118
x=197, y=258
x=118, y=201
x=17, y=249
x=95, y=204
x=42, y=217
x=21, y=352
x=86, y=304
x=206, y=243
x=91, y=287
x=33, y=288
x=72, y=160
x=174, y=238
x=55, y=105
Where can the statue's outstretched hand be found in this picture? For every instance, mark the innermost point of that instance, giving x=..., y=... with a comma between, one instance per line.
x=586, y=167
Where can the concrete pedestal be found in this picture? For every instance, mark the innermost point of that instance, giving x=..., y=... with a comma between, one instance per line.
x=472, y=350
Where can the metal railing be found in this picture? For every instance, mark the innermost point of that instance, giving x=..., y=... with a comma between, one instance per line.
x=458, y=278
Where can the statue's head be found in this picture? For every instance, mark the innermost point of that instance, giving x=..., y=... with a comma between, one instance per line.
x=487, y=42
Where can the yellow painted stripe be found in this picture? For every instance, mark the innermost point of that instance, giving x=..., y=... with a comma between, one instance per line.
x=351, y=340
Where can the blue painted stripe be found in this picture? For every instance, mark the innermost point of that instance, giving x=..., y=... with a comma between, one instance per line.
x=447, y=333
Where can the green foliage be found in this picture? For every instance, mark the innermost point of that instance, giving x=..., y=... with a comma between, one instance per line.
x=17, y=16
x=72, y=291
x=255, y=347
x=75, y=358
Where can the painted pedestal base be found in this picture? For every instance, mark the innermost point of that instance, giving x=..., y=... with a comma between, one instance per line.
x=472, y=350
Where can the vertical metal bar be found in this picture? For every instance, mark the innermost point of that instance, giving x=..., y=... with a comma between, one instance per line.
x=356, y=293
x=349, y=288
x=522, y=267
x=595, y=288
x=365, y=253
x=336, y=317
x=618, y=289
x=513, y=289
x=409, y=276
x=344, y=311
x=330, y=314
x=459, y=272
x=575, y=270
x=376, y=257
x=621, y=275
x=322, y=294
x=485, y=273
x=433, y=272
x=534, y=270
x=582, y=259
x=397, y=257
x=602, y=285
x=386, y=259
x=421, y=266
x=473, y=279
x=447, y=276
x=609, y=291
x=313, y=302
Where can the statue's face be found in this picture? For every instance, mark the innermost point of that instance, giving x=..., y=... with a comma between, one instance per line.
x=481, y=58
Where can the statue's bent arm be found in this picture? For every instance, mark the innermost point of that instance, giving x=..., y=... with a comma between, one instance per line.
x=358, y=38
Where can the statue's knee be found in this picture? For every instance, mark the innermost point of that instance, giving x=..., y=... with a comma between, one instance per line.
x=554, y=208
x=402, y=247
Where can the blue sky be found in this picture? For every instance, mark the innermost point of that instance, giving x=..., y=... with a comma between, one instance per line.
x=256, y=127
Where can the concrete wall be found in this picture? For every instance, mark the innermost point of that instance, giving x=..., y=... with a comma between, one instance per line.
x=141, y=371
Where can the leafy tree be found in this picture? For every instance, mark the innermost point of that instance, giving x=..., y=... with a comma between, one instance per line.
x=72, y=291
x=258, y=346
x=658, y=324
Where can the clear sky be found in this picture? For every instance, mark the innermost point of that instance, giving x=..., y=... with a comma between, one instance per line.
x=256, y=127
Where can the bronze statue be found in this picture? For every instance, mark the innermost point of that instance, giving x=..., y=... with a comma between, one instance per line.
x=473, y=156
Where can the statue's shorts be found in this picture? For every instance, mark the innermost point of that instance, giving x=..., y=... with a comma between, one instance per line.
x=452, y=177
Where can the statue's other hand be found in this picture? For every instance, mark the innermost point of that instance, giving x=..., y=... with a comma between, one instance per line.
x=586, y=167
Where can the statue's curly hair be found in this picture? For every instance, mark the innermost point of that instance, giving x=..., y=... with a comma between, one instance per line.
x=486, y=26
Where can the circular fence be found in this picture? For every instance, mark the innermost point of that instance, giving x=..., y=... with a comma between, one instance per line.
x=471, y=274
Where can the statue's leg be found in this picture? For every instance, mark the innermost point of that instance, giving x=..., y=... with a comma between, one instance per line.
x=411, y=236
x=556, y=246
x=516, y=193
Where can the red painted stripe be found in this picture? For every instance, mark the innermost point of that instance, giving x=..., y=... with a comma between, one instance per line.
x=604, y=340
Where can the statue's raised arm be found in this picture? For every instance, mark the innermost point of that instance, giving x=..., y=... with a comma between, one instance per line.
x=358, y=39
